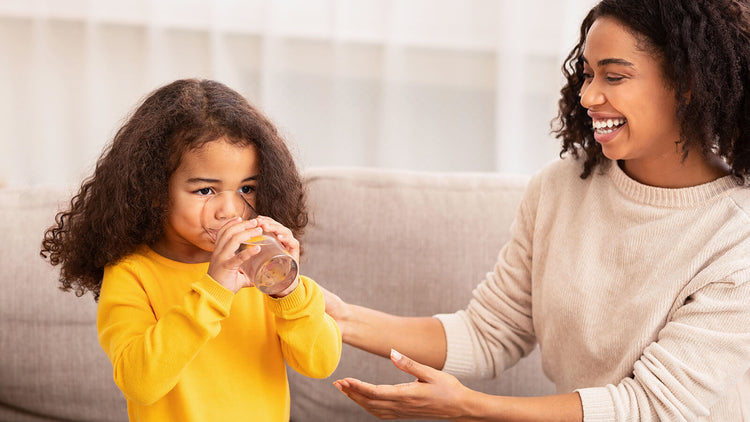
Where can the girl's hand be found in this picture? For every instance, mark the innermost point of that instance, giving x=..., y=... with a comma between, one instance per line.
x=225, y=263
x=433, y=395
x=288, y=242
x=283, y=234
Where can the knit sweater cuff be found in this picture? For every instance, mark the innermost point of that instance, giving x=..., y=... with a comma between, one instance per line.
x=459, y=359
x=294, y=301
x=219, y=293
x=597, y=405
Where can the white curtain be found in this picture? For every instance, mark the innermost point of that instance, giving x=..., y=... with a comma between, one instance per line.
x=445, y=85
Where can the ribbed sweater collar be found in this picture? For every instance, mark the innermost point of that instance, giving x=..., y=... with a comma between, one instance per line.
x=667, y=197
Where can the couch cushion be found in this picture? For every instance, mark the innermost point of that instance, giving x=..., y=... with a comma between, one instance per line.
x=51, y=364
x=407, y=243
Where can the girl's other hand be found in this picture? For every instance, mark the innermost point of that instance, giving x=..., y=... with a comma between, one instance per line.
x=225, y=263
x=288, y=242
x=283, y=234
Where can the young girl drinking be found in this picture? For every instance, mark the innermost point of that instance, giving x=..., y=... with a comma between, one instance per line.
x=188, y=340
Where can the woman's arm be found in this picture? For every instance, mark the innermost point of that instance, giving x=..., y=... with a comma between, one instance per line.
x=438, y=395
x=378, y=332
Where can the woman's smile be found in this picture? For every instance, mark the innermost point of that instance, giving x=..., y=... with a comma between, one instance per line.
x=606, y=129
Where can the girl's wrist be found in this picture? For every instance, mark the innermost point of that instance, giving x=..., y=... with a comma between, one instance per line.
x=288, y=290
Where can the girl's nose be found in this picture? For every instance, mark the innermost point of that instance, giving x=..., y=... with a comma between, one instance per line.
x=229, y=204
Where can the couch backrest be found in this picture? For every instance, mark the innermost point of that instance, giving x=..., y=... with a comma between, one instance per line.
x=407, y=243
x=51, y=364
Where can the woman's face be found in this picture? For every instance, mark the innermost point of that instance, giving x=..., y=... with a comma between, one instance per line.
x=632, y=107
x=215, y=167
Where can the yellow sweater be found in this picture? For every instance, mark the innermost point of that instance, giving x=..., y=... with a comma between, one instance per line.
x=184, y=348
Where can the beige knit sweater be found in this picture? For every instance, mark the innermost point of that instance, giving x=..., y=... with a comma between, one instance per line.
x=639, y=297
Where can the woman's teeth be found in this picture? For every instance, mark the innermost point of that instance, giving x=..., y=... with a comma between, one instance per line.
x=607, y=126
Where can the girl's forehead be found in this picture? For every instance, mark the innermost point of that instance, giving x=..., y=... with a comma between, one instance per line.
x=219, y=157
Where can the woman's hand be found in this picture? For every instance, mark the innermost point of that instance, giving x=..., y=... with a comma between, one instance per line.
x=224, y=266
x=433, y=395
x=339, y=310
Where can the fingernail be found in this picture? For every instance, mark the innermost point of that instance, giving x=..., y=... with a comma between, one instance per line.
x=396, y=355
x=338, y=386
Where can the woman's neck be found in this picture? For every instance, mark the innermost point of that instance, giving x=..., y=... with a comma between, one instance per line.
x=676, y=172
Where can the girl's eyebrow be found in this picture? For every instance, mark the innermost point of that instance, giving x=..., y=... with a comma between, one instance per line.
x=195, y=180
x=605, y=62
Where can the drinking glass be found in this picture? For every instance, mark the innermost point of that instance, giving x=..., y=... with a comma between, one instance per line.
x=273, y=269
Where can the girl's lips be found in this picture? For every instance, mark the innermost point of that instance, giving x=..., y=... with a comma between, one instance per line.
x=211, y=234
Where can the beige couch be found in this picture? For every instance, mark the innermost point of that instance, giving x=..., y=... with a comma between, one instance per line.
x=409, y=243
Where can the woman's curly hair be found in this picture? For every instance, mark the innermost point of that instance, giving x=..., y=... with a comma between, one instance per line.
x=124, y=204
x=704, y=48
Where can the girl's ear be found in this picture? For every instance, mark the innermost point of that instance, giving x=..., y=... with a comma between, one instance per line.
x=687, y=96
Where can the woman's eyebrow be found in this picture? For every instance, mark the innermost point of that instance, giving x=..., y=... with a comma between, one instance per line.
x=605, y=62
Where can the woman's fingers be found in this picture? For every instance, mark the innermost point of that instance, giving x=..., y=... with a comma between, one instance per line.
x=435, y=394
x=410, y=366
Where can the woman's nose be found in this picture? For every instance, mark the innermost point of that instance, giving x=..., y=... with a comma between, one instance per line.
x=591, y=95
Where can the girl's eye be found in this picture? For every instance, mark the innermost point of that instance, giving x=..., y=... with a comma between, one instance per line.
x=247, y=189
x=614, y=78
x=204, y=191
x=587, y=76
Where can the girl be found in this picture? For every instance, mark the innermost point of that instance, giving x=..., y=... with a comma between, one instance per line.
x=634, y=280
x=188, y=340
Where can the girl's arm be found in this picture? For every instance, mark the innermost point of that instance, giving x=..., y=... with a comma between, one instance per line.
x=310, y=339
x=149, y=355
x=378, y=332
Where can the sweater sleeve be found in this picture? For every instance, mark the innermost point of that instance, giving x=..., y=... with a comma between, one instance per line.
x=147, y=355
x=310, y=338
x=700, y=354
x=496, y=329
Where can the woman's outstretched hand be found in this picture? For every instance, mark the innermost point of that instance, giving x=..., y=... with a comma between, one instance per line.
x=434, y=394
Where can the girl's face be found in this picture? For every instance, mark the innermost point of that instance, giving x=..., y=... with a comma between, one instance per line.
x=215, y=167
x=632, y=107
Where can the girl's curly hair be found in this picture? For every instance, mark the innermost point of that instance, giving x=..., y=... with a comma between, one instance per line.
x=124, y=204
x=704, y=48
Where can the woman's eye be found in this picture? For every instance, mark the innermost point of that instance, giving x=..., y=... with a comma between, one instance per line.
x=203, y=191
x=587, y=76
x=614, y=78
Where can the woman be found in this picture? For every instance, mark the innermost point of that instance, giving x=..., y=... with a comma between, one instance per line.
x=634, y=278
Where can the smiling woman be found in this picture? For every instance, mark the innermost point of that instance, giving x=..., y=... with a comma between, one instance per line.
x=624, y=82
x=628, y=258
